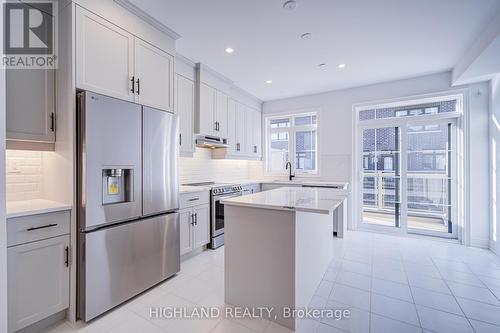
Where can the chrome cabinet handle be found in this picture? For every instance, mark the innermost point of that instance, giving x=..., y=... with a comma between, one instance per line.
x=194, y=199
x=42, y=227
x=195, y=218
x=192, y=219
x=132, y=90
x=138, y=86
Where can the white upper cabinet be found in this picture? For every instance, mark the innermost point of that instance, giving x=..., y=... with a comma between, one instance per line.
x=154, y=77
x=257, y=134
x=185, y=97
x=241, y=129
x=30, y=105
x=104, y=56
x=236, y=129
x=254, y=133
x=221, y=114
x=206, y=112
x=114, y=62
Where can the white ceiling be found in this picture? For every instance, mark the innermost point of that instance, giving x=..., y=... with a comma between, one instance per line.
x=379, y=40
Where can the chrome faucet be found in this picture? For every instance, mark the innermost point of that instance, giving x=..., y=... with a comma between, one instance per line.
x=290, y=176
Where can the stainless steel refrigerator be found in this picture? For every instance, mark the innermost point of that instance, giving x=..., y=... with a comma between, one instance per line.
x=128, y=218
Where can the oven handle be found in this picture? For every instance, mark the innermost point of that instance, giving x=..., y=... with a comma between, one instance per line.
x=232, y=195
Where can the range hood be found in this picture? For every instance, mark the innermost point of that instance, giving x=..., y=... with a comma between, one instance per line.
x=209, y=141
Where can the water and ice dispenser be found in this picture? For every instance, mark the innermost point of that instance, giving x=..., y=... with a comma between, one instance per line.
x=117, y=186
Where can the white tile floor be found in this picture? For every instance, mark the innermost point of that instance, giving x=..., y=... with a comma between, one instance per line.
x=389, y=283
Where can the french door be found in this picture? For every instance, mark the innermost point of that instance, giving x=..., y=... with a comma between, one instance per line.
x=407, y=177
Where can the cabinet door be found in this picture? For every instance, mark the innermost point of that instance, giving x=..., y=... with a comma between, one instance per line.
x=38, y=281
x=221, y=114
x=231, y=128
x=257, y=134
x=186, y=230
x=201, y=230
x=207, y=110
x=249, y=120
x=154, y=75
x=30, y=104
x=104, y=56
x=185, y=110
x=241, y=129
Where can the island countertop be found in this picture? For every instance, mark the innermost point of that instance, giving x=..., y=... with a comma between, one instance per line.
x=313, y=200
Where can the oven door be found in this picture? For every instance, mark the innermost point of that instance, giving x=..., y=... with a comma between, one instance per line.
x=218, y=213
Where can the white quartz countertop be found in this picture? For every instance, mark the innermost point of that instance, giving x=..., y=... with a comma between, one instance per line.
x=308, y=199
x=193, y=189
x=34, y=207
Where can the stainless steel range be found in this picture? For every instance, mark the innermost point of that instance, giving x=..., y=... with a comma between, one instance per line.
x=219, y=191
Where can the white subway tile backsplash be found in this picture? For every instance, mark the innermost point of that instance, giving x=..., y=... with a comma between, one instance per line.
x=23, y=175
x=202, y=168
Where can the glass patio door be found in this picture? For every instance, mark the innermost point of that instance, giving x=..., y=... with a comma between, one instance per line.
x=381, y=177
x=430, y=172
x=407, y=178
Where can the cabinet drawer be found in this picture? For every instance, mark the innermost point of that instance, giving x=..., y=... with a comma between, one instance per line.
x=194, y=199
x=31, y=228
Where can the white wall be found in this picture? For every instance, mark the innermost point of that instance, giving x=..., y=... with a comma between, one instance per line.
x=494, y=138
x=335, y=131
x=3, y=224
x=478, y=190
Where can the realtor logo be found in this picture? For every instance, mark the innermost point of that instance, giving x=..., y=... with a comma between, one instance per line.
x=29, y=34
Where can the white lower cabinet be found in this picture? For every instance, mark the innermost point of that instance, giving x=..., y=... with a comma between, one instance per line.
x=201, y=230
x=194, y=220
x=194, y=227
x=38, y=280
x=185, y=227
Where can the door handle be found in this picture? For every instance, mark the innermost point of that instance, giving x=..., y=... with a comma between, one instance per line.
x=66, y=256
x=195, y=218
x=255, y=149
x=237, y=147
x=192, y=219
x=133, y=84
x=215, y=126
x=180, y=139
x=138, y=86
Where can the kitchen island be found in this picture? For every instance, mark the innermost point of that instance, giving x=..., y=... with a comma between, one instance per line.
x=278, y=245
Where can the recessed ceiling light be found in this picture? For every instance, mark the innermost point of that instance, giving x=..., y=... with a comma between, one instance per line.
x=341, y=66
x=306, y=36
x=229, y=50
x=269, y=81
x=290, y=4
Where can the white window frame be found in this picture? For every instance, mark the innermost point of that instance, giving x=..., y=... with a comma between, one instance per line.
x=291, y=141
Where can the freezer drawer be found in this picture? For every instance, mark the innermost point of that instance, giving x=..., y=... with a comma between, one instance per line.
x=122, y=261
